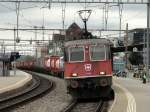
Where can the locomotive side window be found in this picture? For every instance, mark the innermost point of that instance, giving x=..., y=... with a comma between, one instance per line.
x=76, y=53
x=97, y=53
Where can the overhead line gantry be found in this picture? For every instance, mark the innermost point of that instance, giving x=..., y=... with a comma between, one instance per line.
x=81, y=1
x=53, y=29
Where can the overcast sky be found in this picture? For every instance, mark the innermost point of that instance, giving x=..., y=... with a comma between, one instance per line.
x=32, y=15
x=134, y=15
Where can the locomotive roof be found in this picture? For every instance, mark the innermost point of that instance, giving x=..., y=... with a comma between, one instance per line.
x=88, y=41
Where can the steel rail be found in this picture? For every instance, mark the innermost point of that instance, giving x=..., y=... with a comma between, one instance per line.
x=36, y=83
x=100, y=106
x=43, y=87
x=70, y=106
x=74, y=103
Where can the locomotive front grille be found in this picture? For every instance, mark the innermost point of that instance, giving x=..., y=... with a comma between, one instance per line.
x=91, y=82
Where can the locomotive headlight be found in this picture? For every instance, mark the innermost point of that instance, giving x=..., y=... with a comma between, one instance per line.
x=74, y=74
x=102, y=73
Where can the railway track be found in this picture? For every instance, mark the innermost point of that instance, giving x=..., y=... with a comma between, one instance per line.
x=39, y=87
x=75, y=106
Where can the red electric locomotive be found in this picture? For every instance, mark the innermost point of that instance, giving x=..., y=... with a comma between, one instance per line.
x=88, y=65
x=88, y=68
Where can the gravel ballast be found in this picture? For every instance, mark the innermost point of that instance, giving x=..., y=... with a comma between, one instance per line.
x=54, y=101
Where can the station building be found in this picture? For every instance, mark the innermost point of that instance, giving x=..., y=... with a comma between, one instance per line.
x=139, y=36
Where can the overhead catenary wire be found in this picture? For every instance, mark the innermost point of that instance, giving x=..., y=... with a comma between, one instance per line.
x=26, y=19
x=29, y=29
x=113, y=34
x=118, y=30
x=43, y=25
x=14, y=9
x=5, y=6
x=80, y=1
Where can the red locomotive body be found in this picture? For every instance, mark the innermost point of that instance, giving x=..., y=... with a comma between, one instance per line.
x=88, y=68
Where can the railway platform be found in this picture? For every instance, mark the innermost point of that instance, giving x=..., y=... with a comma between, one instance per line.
x=14, y=82
x=131, y=95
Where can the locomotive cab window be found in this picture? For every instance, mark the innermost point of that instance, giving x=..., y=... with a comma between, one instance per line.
x=76, y=53
x=97, y=53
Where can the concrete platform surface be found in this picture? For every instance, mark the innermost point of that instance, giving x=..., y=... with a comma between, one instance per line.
x=131, y=95
x=12, y=82
x=120, y=102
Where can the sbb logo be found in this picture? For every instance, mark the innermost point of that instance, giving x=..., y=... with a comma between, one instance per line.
x=87, y=67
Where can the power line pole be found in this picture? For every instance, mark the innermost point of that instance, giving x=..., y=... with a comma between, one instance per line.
x=36, y=42
x=103, y=18
x=106, y=11
x=126, y=46
x=49, y=4
x=43, y=33
x=63, y=15
x=120, y=18
x=16, y=38
x=35, y=27
x=148, y=26
x=43, y=24
x=14, y=51
x=17, y=13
